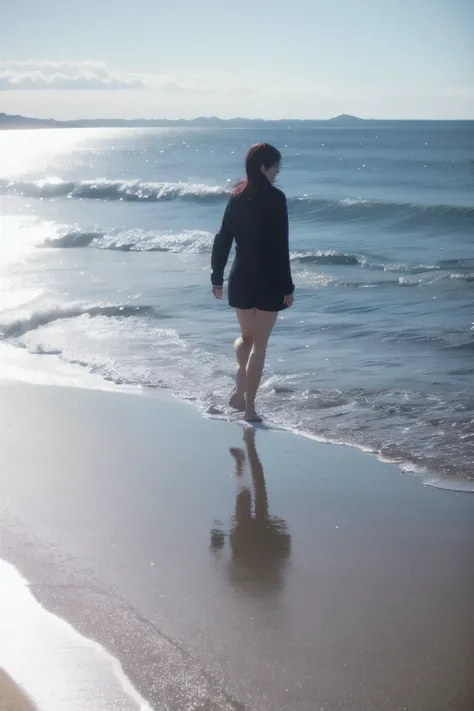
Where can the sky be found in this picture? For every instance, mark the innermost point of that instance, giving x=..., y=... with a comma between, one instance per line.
x=253, y=58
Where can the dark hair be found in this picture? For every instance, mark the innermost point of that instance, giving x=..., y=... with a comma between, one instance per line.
x=259, y=154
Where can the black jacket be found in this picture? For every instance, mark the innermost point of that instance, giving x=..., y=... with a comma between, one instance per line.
x=259, y=224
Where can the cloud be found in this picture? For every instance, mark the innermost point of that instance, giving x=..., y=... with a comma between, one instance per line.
x=194, y=93
x=28, y=75
x=46, y=74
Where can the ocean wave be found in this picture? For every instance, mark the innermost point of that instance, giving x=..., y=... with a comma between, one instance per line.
x=466, y=346
x=393, y=214
x=322, y=258
x=73, y=240
x=132, y=240
x=20, y=326
x=200, y=242
x=102, y=189
x=328, y=258
x=405, y=281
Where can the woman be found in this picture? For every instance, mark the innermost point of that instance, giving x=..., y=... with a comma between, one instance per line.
x=260, y=283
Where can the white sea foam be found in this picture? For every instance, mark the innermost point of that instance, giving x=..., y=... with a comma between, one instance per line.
x=450, y=484
x=132, y=240
x=59, y=668
x=18, y=365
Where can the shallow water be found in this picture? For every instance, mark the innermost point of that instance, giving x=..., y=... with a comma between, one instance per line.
x=105, y=242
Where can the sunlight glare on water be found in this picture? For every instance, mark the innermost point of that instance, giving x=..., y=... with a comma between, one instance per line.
x=18, y=235
x=33, y=151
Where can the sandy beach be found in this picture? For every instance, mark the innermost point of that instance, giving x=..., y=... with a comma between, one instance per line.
x=12, y=697
x=224, y=569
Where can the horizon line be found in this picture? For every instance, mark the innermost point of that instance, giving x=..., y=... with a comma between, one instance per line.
x=333, y=119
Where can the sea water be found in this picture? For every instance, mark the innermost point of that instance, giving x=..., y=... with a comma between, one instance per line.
x=105, y=241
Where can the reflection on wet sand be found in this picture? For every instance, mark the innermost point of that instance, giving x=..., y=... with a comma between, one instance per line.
x=260, y=544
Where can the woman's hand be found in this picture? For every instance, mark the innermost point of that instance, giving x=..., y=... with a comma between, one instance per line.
x=289, y=300
x=218, y=291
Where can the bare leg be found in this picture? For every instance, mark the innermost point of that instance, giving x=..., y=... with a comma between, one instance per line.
x=263, y=326
x=243, y=346
x=242, y=351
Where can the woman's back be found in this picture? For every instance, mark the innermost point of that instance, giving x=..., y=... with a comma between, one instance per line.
x=253, y=223
x=258, y=221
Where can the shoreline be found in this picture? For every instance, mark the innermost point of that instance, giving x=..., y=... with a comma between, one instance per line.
x=430, y=478
x=120, y=512
x=37, y=644
x=72, y=376
x=12, y=697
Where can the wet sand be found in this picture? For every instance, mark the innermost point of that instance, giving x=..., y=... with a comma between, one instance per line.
x=265, y=572
x=12, y=697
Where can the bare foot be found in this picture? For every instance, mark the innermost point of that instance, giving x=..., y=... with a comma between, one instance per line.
x=237, y=402
x=252, y=417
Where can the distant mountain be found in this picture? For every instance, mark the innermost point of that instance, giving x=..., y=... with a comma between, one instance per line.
x=7, y=121
x=345, y=119
x=17, y=122
x=10, y=122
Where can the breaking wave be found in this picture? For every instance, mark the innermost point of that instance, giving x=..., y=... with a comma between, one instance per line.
x=392, y=214
x=102, y=189
x=133, y=240
x=20, y=326
x=200, y=242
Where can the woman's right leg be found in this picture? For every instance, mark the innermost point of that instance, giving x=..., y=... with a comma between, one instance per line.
x=243, y=346
x=262, y=327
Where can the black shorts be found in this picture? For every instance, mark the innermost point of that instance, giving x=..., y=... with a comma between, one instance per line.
x=262, y=302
